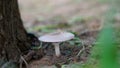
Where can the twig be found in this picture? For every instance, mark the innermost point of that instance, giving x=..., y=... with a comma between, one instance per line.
x=81, y=51
x=23, y=60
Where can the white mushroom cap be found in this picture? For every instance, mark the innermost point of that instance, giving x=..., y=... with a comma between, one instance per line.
x=57, y=37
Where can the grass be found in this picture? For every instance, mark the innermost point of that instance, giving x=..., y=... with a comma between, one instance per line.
x=105, y=53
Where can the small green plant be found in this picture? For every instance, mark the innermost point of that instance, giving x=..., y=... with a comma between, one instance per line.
x=75, y=41
x=37, y=47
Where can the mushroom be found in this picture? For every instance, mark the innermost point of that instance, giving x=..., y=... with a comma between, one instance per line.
x=56, y=38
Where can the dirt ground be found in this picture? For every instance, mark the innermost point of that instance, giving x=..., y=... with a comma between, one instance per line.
x=37, y=13
x=42, y=12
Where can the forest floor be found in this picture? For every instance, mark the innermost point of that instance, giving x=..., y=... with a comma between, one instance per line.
x=82, y=17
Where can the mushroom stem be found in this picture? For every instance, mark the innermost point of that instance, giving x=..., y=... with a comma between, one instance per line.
x=57, y=49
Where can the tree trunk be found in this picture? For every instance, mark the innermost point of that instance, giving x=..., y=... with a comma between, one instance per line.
x=13, y=37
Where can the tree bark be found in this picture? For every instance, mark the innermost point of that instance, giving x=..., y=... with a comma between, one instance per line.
x=13, y=36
